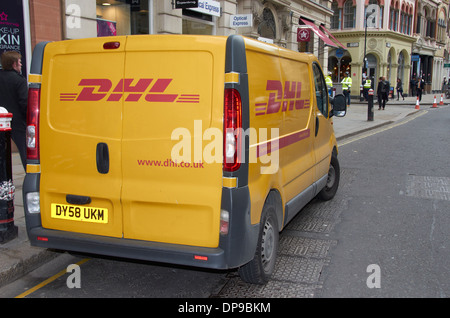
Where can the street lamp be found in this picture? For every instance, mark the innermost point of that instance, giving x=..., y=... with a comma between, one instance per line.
x=364, y=69
x=368, y=14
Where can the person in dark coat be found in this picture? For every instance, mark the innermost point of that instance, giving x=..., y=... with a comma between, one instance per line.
x=399, y=89
x=420, y=87
x=381, y=93
x=14, y=97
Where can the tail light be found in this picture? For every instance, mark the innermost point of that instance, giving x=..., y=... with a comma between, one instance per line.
x=33, y=123
x=232, y=130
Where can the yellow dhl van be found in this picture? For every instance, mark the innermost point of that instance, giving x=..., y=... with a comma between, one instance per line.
x=193, y=150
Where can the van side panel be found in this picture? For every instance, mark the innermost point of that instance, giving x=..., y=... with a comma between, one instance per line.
x=172, y=140
x=76, y=116
x=279, y=98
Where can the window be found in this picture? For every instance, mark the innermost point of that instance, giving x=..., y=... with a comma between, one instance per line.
x=266, y=28
x=197, y=23
x=391, y=18
x=410, y=25
x=349, y=15
x=321, y=90
x=376, y=20
x=389, y=66
x=402, y=22
x=122, y=18
x=419, y=19
x=336, y=15
x=401, y=66
x=396, y=20
x=441, y=27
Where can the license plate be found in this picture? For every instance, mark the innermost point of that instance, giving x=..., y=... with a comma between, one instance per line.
x=79, y=213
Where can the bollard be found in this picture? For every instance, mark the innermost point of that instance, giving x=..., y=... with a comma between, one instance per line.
x=370, y=105
x=8, y=230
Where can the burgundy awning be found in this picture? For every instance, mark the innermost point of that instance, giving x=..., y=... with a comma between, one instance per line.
x=321, y=35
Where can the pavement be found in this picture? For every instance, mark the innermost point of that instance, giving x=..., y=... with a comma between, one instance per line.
x=17, y=257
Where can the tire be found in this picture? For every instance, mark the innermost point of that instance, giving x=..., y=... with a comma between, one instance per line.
x=330, y=189
x=261, y=267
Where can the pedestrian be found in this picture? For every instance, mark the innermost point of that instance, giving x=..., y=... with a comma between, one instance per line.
x=420, y=86
x=444, y=85
x=329, y=83
x=399, y=89
x=381, y=88
x=14, y=97
x=346, y=87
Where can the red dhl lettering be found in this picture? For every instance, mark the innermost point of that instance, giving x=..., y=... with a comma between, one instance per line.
x=285, y=99
x=97, y=89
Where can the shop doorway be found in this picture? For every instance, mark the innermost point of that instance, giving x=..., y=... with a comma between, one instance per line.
x=372, y=70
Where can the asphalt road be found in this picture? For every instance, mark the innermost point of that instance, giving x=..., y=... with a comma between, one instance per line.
x=397, y=183
x=385, y=234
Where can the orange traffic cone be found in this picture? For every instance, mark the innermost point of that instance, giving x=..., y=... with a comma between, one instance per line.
x=417, y=103
x=434, y=103
x=442, y=100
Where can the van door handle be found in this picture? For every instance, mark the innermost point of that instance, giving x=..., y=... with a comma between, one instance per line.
x=317, y=125
x=78, y=199
x=102, y=158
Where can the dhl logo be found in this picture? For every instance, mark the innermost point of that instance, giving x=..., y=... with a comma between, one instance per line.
x=285, y=99
x=96, y=89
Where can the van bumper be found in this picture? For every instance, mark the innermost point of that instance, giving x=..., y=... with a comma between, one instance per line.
x=126, y=248
x=235, y=249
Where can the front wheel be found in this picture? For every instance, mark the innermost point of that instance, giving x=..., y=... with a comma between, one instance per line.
x=261, y=267
x=334, y=172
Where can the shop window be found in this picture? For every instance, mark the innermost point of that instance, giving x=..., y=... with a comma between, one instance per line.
x=122, y=17
x=197, y=23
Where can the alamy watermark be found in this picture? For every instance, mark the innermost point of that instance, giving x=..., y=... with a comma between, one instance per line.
x=74, y=279
x=208, y=146
x=73, y=20
x=374, y=279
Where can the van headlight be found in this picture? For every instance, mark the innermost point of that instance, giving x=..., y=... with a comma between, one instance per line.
x=33, y=202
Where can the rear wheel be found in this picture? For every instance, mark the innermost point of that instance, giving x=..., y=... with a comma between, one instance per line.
x=332, y=185
x=261, y=267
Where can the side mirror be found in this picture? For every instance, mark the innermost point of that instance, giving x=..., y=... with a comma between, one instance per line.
x=339, y=106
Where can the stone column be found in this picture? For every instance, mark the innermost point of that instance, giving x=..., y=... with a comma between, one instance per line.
x=229, y=7
x=167, y=20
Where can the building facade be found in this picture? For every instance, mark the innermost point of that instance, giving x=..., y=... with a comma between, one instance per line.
x=402, y=39
x=379, y=32
x=274, y=21
x=397, y=39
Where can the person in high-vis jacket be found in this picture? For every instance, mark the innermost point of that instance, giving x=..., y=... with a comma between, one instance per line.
x=366, y=87
x=329, y=83
x=346, y=87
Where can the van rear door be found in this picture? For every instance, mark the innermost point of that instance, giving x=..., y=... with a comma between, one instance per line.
x=80, y=137
x=171, y=191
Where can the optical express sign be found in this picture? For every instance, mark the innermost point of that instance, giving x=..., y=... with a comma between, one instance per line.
x=208, y=7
